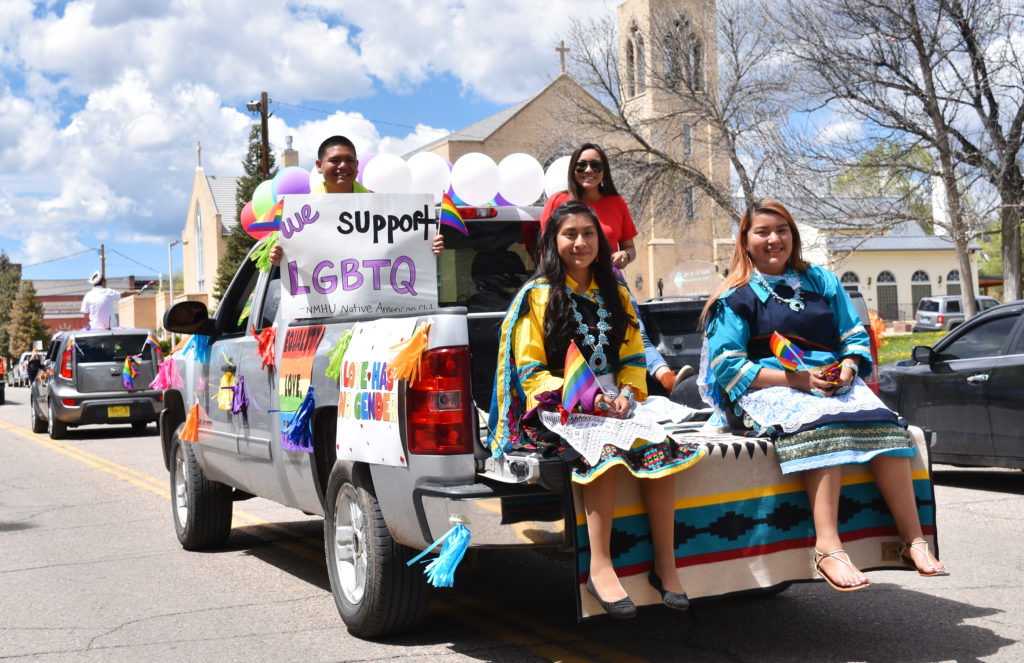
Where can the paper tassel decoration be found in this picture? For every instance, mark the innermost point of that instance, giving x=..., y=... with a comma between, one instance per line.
x=190, y=433
x=299, y=431
x=441, y=570
x=261, y=256
x=337, y=355
x=265, y=345
x=790, y=356
x=167, y=376
x=239, y=400
x=450, y=215
x=227, y=391
x=405, y=365
x=580, y=383
x=130, y=370
x=199, y=347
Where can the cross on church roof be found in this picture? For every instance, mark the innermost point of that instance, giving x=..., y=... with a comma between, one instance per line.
x=562, y=50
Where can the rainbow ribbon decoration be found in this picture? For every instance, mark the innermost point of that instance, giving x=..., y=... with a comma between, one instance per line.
x=580, y=384
x=450, y=215
x=130, y=370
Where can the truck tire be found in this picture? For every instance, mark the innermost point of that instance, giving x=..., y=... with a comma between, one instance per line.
x=56, y=429
x=38, y=425
x=376, y=593
x=139, y=427
x=201, y=508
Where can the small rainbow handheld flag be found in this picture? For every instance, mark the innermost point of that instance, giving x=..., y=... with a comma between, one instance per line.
x=790, y=356
x=269, y=220
x=151, y=342
x=580, y=384
x=450, y=215
x=73, y=345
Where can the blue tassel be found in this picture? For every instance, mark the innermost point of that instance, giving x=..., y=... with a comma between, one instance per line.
x=441, y=570
x=300, y=430
x=199, y=346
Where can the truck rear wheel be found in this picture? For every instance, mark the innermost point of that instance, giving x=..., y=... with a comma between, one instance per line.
x=201, y=508
x=376, y=593
x=38, y=425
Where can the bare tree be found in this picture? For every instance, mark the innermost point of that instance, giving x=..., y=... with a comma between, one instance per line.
x=679, y=90
x=903, y=68
x=887, y=61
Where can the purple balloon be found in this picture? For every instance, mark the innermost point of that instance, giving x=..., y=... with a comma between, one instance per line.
x=455, y=199
x=290, y=180
x=363, y=160
x=500, y=200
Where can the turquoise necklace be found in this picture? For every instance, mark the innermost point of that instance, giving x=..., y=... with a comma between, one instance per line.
x=795, y=303
x=598, y=360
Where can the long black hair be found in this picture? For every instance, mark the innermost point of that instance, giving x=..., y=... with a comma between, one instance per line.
x=559, y=322
x=607, y=187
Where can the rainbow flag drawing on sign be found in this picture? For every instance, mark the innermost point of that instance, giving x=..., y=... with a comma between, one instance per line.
x=450, y=215
x=580, y=383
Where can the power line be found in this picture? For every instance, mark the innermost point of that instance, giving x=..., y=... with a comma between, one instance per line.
x=113, y=250
x=36, y=264
x=324, y=112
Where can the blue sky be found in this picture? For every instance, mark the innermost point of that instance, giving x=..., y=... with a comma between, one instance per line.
x=102, y=102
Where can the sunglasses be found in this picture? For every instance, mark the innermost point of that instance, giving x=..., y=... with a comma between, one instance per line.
x=596, y=166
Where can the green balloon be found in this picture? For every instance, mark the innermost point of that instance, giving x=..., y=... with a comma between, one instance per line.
x=262, y=198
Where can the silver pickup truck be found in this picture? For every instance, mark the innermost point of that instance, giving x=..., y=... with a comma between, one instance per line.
x=377, y=516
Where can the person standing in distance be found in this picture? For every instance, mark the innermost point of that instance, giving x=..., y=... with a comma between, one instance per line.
x=100, y=302
x=336, y=160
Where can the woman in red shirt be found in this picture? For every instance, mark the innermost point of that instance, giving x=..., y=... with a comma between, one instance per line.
x=590, y=181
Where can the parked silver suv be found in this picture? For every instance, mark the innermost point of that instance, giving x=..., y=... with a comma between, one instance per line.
x=945, y=312
x=81, y=382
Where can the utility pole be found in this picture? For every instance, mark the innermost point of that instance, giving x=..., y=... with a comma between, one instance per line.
x=103, y=263
x=265, y=138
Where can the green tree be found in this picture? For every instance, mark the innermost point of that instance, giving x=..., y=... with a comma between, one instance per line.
x=239, y=242
x=26, y=323
x=10, y=281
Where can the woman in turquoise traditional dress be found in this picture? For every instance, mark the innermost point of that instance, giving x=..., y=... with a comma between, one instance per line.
x=819, y=422
x=574, y=296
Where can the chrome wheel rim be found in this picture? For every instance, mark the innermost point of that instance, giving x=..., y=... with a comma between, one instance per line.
x=350, y=554
x=181, y=486
x=49, y=421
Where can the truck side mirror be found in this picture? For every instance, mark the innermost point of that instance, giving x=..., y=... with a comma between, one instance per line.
x=923, y=354
x=189, y=318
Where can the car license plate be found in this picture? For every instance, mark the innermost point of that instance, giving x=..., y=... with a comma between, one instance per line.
x=117, y=411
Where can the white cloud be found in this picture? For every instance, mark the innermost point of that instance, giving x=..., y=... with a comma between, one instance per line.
x=839, y=130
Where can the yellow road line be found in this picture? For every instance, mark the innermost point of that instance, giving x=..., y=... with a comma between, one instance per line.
x=476, y=606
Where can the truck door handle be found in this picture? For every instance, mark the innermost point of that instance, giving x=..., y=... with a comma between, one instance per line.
x=979, y=378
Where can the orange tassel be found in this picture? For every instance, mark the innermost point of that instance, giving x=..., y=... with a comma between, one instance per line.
x=405, y=365
x=265, y=345
x=190, y=433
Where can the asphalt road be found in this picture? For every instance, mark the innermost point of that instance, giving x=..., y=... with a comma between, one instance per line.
x=90, y=570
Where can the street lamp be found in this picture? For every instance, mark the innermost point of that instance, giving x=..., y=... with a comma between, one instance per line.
x=170, y=277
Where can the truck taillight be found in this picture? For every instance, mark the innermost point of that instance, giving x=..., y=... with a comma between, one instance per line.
x=65, y=363
x=439, y=404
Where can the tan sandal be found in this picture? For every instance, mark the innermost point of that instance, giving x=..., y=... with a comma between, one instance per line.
x=819, y=557
x=921, y=546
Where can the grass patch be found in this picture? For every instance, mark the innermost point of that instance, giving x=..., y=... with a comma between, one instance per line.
x=896, y=348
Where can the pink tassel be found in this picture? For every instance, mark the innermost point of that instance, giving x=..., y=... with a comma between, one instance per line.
x=167, y=376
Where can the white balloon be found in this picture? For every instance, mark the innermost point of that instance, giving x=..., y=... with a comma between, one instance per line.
x=430, y=174
x=387, y=173
x=522, y=179
x=475, y=178
x=557, y=177
x=316, y=178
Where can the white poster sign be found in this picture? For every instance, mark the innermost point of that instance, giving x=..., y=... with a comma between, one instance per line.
x=357, y=254
x=368, y=423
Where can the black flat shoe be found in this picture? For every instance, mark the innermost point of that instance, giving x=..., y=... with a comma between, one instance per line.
x=621, y=609
x=674, y=600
